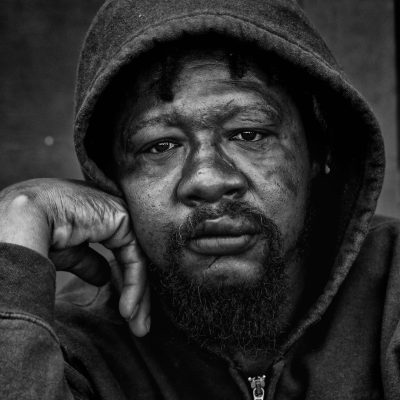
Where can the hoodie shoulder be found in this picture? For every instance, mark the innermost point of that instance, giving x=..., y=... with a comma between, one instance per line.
x=381, y=222
x=383, y=240
x=380, y=253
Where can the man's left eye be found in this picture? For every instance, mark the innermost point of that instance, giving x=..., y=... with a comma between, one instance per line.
x=248, y=136
x=161, y=147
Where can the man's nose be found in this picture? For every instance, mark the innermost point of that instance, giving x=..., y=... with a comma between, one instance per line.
x=209, y=176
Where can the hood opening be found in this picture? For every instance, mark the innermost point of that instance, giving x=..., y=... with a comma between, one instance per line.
x=348, y=195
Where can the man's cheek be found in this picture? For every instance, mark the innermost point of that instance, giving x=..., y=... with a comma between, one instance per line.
x=152, y=236
x=278, y=196
x=150, y=223
x=284, y=200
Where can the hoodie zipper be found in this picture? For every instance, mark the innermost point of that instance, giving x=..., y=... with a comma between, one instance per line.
x=257, y=383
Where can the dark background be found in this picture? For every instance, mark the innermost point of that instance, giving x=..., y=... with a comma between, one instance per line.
x=39, y=48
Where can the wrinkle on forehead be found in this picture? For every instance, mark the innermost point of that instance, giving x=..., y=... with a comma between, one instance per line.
x=206, y=117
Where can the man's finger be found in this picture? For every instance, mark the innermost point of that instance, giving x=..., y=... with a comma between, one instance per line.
x=140, y=323
x=133, y=265
x=84, y=262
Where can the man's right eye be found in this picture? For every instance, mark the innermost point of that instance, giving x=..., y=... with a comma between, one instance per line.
x=161, y=147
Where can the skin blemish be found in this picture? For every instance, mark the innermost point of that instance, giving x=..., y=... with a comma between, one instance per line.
x=212, y=262
x=289, y=156
x=284, y=177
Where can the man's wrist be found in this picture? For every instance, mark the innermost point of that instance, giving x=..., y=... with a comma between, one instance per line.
x=27, y=282
x=24, y=223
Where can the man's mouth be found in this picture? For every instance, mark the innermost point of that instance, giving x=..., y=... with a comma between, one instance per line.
x=223, y=236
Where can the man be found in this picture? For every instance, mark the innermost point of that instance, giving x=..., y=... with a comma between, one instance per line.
x=224, y=150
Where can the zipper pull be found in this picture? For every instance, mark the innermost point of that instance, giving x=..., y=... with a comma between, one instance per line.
x=257, y=384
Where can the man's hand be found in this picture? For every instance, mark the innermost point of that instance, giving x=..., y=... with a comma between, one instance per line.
x=58, y=218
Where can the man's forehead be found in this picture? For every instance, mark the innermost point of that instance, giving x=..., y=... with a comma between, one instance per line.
x=208, y=102
x=193, y=71
x=160, y=70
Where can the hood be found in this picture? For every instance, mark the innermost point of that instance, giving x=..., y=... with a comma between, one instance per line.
x=123, y=30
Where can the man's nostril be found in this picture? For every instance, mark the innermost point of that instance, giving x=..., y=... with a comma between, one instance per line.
x=232, y=193
x=212, y=190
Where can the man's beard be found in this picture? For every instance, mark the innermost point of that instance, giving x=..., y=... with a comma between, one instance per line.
x=245, y=316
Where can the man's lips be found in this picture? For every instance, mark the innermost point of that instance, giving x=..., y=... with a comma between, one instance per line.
x=223, y=236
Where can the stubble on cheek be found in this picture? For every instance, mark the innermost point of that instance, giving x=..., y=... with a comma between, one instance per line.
x=148, y=217
x=286, y=179
x=282, y=186
x=286, y=196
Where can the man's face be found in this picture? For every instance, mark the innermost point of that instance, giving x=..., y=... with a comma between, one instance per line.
x=219, y=141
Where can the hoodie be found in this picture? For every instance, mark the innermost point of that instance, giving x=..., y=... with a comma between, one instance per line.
x=346, y=343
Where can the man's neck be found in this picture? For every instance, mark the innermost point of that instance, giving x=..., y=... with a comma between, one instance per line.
x=252, y=364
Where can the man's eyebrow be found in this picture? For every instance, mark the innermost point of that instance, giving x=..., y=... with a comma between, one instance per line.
x=163, y=119
x=260, y=111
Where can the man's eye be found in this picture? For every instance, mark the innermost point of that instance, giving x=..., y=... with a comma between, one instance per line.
x=248, y=136
x=161, y=147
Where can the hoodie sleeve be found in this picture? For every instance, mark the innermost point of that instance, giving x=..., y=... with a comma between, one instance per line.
x=389, y=235
x=31, y=360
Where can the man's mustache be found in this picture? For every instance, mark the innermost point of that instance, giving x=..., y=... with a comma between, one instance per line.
x=234, y=209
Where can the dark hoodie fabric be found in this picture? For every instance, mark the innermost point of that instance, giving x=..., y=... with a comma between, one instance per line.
x=346, y=345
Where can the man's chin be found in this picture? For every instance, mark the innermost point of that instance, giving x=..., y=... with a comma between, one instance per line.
x=228, y=306
x=225, y=271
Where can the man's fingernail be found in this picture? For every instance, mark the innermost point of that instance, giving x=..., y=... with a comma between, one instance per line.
x=148, y=323
x=134, y=312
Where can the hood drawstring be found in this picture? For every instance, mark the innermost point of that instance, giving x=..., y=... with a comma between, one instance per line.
x=277, y=370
